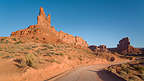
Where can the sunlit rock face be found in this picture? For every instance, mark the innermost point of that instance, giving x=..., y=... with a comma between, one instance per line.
x=45, y=33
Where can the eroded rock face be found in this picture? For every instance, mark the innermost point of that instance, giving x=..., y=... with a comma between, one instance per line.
x=124, y=47
x=44, y=32
x=96, y=49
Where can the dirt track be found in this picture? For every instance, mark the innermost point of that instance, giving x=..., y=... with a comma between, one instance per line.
x=90, y=73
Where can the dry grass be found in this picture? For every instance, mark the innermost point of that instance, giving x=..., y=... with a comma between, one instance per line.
x=131, y=71
x=29, y=60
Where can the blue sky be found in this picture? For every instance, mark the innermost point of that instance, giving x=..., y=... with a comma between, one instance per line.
x=97, y=21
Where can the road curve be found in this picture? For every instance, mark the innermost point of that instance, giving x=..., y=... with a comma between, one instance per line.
x=90, y=73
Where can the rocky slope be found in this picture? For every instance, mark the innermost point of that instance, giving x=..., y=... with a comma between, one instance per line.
x=133, y=71
x=44, y=32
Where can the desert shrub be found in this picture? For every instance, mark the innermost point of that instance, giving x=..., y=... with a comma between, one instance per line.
x=123, y=65
x=29, y=60
x=7, y=57
x=112, y=59
x=19, y=42
x=141, y=76
x=49, y=54
x=34, y=46
x=61, y=54
x=111, y=69
x=48, y=46
x=53, y=53
x=134, y=78
x=138, y=67
x=37, y=38
x=122, y=73
x=53, y=60
x=25, y=52
x=126, y=70
x=44, y=49
x=80, y=58
x=14, y=39
x=21, y=62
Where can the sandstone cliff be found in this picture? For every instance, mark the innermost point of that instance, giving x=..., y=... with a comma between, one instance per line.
x=44, y=32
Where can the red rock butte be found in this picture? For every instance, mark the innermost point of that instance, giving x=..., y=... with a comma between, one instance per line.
x=45, y=33
x=124, y=47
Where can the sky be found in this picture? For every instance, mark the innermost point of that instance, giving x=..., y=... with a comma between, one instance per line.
x=96, y=21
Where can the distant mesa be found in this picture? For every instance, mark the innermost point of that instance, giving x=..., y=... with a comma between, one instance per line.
x=43, y=32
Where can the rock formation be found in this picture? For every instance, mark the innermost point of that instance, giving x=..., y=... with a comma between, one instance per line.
x=124, y=47
x=44, y=32
x=96, y=49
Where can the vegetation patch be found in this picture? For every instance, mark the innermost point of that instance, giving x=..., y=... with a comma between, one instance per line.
x=29, y=60
x=133, y=71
